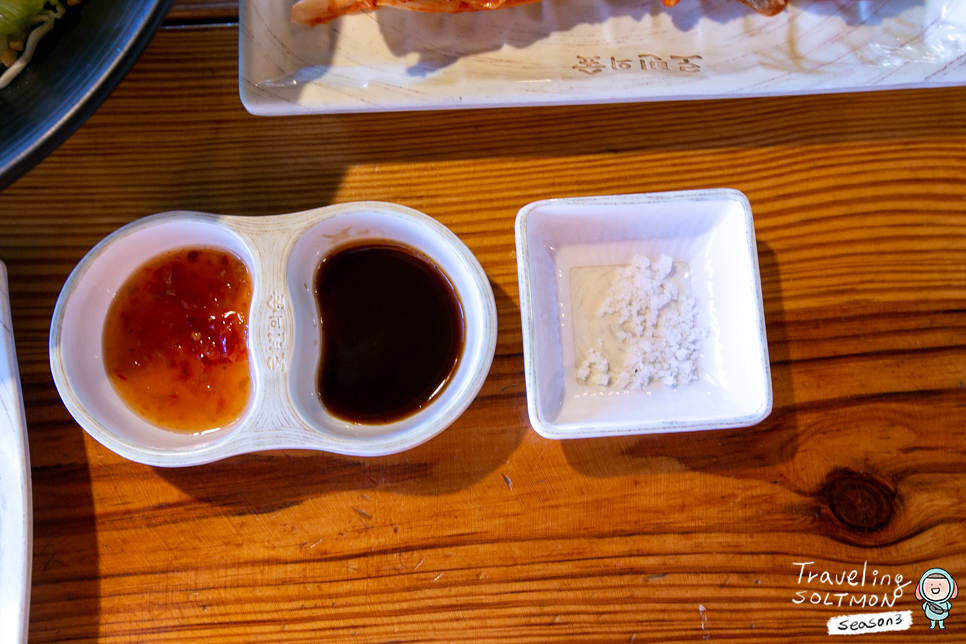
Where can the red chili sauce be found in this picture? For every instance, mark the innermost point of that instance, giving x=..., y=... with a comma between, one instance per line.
x=392, y=332
x=176, y=339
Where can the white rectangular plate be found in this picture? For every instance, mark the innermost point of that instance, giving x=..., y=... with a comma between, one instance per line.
x=16, y=510
x=593, y=51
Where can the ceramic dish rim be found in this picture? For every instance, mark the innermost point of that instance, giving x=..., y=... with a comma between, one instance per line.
x=19, y=506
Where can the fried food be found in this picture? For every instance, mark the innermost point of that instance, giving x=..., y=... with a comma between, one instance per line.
x=766, y=7
x=317, y=12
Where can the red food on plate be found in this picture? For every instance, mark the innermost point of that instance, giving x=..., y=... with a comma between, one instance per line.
x=317, y=12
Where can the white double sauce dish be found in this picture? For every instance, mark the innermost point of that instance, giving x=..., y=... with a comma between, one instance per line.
x=283, y=254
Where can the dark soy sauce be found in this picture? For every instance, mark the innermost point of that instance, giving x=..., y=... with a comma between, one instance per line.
x=392, y=331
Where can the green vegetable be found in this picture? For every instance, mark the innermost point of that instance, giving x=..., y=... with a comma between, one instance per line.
x=15, y=16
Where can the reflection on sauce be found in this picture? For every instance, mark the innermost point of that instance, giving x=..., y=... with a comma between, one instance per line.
x=392, y=332
x=176, y=339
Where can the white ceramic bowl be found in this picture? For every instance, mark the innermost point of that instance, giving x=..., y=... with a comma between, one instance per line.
x=282, y=253
x=709, y=231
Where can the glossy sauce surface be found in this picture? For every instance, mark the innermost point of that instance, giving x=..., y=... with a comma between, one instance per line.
x=392, y=332
x=176, y=339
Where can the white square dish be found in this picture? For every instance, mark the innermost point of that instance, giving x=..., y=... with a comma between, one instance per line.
x=563, y=52
x=710, y=235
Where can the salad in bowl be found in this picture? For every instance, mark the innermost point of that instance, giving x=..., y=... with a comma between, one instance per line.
x=22, y=24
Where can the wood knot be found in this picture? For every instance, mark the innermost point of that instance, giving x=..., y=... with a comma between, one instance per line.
x=859, y=501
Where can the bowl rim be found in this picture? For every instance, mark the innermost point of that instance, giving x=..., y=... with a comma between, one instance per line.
x=548, y=429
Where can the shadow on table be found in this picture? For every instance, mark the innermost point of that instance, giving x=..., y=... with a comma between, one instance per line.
x=475, y=446
x=742, y=452
x=65, y=594
x=601, y=135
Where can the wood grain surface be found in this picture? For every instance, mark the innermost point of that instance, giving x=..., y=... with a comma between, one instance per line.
x=489, y=533
x=205, y=11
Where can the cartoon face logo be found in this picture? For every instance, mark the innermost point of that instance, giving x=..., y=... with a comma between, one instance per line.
x=936, y=590
x=936, y=587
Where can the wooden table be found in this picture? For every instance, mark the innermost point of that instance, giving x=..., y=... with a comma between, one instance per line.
x=490, y=533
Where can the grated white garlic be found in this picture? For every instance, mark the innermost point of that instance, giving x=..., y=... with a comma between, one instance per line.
x=595, y=364
x=660, y=339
